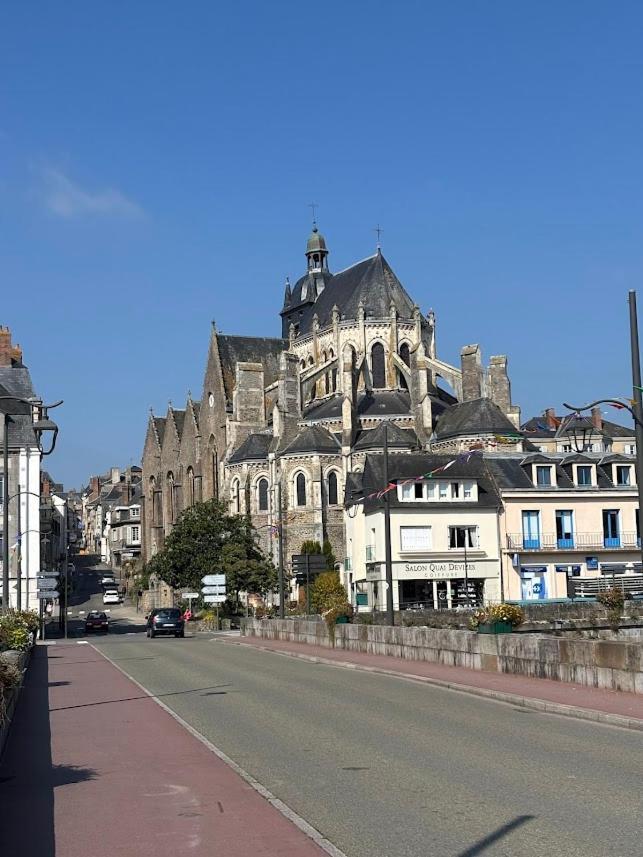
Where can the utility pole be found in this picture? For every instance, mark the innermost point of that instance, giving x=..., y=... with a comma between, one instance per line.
x=5, y=513
x=637, y=401
x=390, y=618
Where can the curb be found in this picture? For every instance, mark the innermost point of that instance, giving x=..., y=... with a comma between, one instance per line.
x=542, y=705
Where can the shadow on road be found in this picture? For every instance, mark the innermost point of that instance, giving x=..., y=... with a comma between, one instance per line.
x=27, y=776
x=212, y=690
x=482, y=844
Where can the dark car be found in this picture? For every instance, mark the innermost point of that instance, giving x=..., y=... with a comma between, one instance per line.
x=165, y=620
x=96, y=621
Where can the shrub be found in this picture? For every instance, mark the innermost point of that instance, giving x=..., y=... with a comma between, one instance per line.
x=327, y=592
x=613, y=598
x=511, y=613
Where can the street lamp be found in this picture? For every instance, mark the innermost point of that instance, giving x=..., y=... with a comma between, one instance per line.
x=40, y=427
x=19, y=543
x=278, y=528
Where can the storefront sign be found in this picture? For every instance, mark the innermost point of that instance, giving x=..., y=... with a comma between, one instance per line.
x=442, y=570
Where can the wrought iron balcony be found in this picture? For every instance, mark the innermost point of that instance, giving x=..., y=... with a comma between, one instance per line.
x=577, y=542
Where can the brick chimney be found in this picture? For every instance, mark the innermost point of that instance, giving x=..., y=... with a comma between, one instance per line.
x=472, y=376
x=550, y=418
x=10, y=355
x=45, y=489
x=94, y=485
x=597, y=419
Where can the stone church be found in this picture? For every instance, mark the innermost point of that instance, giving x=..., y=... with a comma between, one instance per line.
x=281, y=422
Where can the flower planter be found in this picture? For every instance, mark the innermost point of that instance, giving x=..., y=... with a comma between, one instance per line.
x=495, y=628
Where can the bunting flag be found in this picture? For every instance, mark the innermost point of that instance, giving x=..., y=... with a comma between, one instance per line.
x=508, y=438
x=617, y=405
x=463, y=457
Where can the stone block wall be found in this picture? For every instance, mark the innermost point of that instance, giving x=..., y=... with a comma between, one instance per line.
x=611, y=664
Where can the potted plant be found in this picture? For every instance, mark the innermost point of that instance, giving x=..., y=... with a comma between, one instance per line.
x=497, y=619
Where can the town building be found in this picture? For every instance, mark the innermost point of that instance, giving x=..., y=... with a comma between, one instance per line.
x=105, y=493
x=124, y=528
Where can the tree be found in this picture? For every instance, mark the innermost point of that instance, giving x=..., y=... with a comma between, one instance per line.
x=207, y=540
x=327, y=592
x=313, y=547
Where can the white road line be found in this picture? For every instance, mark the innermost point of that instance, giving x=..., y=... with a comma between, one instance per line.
x=325, y=844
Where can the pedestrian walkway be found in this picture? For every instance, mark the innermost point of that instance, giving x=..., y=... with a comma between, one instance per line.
x=590, y=703
x=95, y=766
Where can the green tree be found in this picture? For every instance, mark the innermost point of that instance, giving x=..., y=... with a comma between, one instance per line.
x=327, y=592
x=207, y=540
x=314, y=547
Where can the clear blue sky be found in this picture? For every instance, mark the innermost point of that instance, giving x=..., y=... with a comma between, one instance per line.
x=156, y=161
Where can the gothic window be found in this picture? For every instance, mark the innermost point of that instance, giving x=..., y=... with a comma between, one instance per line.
x=378, y=369
x=300, y=489
x=333, y=374
x=332, y=488
x=406, y=358
x=324, y=358
x=170, y=497
x=236, y=498
x=153, y=500
x=262, y=495
x=190, y=478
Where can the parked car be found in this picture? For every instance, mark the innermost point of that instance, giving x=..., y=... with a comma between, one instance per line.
x=96, y=621
x=165, y=620
x=111, y=596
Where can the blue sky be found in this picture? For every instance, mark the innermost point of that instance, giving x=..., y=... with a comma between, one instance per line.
x=157, y=159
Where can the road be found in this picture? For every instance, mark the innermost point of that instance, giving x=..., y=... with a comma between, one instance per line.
x=383, y=766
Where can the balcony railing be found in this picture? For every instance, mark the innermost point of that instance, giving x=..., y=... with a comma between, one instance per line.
x=579, y=541
x=370, y=553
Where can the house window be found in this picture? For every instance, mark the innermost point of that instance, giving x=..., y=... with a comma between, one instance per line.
x=300, y=489
x=463, y=537
x=332, y=488
x=564, y=529
x=567, y=447
x=378, y=368
x=630, y=449
x=611, y=528
x=531, y=530
x=468, y=490
x=136, y=534
x=543, y=475
x=415, y=539
x=583, y=474
x=430, y=490
x=135, y=511
x=262, y=494
x=623, y=474
x=443, y=489
x=455, y=490
x=418, y=490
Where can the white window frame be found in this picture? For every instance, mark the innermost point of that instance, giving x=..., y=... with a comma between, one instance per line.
x=629, y=482
x=474, y=531
x=409, y=531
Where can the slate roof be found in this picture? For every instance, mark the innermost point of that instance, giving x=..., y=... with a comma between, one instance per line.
x=179, y=420
x=398, y=438
x=249, y=349
x=402, y=467
x=254, y=448
x=313, y=439
x=159, y=424
x=537, y=427
x=477, y=416
x=514, y=472
x=16, y=381
x=380, y=403
x=371, y=281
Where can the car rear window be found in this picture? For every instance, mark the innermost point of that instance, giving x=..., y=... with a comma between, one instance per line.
x=169, y=614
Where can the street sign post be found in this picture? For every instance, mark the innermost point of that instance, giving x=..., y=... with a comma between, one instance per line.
x=213, y=580
x=214, y=599
x=48, y=574
x=46, y=594
x=186, y=595
x=214, y=590
x=46, y=582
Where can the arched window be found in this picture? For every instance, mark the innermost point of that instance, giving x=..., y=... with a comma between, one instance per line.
x=332, y=488
x=153, y=500
x=378, y=368
x=300, y=489
x=236, y=499
x=262, y=495
x=170, y=496
x=333, y=374
x=326, y=381
x=190, y=478
x=405, y=354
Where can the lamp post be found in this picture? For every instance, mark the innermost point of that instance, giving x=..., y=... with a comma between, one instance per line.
x=636, y=411
x=40, y=426
x=390, y=616
x=19, y=540
x=280, y=561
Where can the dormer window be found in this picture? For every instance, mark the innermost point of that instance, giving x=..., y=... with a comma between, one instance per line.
x=428, y=490
x=543, y=475
x=623, y=474
x=584, y=474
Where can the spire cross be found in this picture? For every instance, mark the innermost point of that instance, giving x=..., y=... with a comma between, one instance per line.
x=378, y=229
x=313, y=205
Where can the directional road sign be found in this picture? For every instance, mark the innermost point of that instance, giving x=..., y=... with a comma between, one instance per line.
x=46, y=594
x=214, y=599
x=47, y=583
x=48, y=573
x=213, y=580
x=185, y=595
x=213, y=590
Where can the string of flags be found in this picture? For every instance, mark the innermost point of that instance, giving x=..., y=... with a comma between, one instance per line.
x=462, y=457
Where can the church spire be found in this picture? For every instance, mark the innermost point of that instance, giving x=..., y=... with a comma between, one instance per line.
x=316, y=251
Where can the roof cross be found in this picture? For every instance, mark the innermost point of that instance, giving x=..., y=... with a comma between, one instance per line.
x=313, y=205
x=378, y=229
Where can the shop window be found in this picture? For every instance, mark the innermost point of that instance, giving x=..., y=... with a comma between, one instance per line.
x=415, y=539
x=463, y=537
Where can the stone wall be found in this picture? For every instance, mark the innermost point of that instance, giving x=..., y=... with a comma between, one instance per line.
x=612, y=664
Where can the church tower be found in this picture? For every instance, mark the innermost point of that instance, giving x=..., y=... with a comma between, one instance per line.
x=316, y=251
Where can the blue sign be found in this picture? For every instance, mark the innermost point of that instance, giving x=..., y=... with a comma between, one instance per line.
x=592, y=563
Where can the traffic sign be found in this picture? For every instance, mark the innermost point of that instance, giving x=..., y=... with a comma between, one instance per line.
x=47, y=583
x=185, y=595
x=313, y=562
x=47, y=594
x=213, y=580
x=48, y=573
x=214, y=599
x=213, y=590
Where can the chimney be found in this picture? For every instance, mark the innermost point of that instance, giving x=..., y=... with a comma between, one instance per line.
x=10, y=355
x=471, y=372
x=94, y=485
x=46, y=488
x=597, y=419
x=498, y=380
x=114, y=475
x=550, y=418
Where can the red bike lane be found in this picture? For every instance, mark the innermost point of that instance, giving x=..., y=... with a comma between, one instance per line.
x=93, y=765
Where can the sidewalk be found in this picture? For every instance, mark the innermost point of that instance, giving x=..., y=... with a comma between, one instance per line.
x=94, y=766
x=587, y=703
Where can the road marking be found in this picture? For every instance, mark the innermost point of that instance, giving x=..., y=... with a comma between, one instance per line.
x=325, y=844
x=82, y=643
